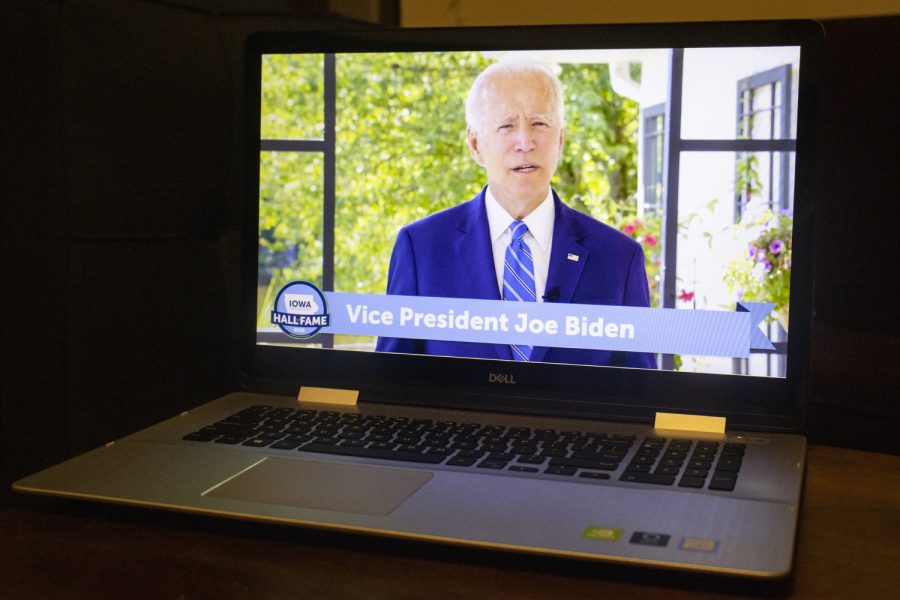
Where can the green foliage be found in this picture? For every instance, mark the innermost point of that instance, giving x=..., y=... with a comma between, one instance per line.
x=763, y=274
x=598, y=170
x=401, y=152
x=292, y=98
x=401, y=155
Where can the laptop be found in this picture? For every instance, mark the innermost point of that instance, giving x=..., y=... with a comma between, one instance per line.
x=654, y=415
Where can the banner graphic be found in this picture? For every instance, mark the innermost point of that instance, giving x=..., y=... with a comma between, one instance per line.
x=616, y=328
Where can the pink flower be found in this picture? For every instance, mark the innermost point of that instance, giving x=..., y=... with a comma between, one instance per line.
x=686, y=296
x=629, y=229
x=650, y=239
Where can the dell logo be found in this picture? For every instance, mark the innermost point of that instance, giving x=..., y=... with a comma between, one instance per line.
x=501, y=378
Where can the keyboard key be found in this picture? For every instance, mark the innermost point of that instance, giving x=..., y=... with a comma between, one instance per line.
x=382, y=445
x=326, y=441
x=614, y=441
x=411, y=448
x=353, y=443
x=592, y=455
x=201, y=436
x=504, y=456
x=654, y=478
x=582, y=463
x=703, y=456
x=257, y=442
x=231, y=439
x=679, y=454
x=729, y=463
x=462, y=461
x=494, y=447
x=723, y=481
x=594, y=475
x=235, y=429
x=733, y=448
x=288, y=443
x=667, y=470
x=524, y=469
x=442, y=451
x=637, y=468
x=692, y=482
x=471, y=453
x=553, y=453
x=560, y=470
x=462, y=445
x=492, y=464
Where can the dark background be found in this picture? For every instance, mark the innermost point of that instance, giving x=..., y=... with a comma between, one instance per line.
x=120, y=221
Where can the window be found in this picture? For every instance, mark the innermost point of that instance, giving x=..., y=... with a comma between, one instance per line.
x=764, y=113
x=288, y=137
x=654, y=155
x=707, y=130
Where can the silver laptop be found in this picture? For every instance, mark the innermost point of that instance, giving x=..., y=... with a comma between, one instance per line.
x=623, y=380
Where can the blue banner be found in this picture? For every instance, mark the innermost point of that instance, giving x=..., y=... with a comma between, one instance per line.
x=617, y=328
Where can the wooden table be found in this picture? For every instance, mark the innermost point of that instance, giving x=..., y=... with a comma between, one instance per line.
x=849, y=548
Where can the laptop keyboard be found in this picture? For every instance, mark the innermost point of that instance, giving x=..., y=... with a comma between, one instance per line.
x=590, y=455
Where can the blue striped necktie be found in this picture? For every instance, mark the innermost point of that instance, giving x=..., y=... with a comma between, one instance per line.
x=518, y=277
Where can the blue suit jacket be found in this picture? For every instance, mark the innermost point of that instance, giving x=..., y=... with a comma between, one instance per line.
x=448, y=254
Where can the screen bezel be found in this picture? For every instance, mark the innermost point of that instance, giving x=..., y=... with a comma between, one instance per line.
x=552, y=389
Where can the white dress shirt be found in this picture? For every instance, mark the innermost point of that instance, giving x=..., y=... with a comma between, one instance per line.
x=539, y=238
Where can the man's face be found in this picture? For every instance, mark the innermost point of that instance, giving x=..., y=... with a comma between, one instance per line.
x=519, y=140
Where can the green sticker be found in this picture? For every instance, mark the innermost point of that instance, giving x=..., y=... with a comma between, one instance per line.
x=607, y=534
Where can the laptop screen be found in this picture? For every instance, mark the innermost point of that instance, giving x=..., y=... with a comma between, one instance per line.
x=541, y=199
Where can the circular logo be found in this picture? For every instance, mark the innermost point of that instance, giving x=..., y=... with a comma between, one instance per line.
x=300, y=310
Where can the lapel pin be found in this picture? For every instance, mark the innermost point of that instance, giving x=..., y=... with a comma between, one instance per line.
x=572, y=257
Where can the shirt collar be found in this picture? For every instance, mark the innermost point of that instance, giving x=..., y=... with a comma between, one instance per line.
x=539, y=221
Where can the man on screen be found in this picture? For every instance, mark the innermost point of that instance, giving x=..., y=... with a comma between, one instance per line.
x=516, y=240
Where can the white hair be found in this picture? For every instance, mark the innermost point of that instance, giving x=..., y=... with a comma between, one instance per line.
x=517, y=66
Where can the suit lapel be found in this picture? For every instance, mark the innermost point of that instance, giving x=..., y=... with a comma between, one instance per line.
x=476, y=259
x=567, y=260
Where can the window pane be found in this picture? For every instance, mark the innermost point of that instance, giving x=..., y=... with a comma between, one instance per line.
x=292, y=97
x=766, y=175
x=711, y=76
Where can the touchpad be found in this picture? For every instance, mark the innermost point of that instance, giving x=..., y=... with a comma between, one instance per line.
x=362, y=489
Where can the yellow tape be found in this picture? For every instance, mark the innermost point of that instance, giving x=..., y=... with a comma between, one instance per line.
x=328, y=396
x=690, y=423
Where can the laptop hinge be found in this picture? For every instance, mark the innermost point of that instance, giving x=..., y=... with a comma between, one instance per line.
x=320, y=395
x=695, y=423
